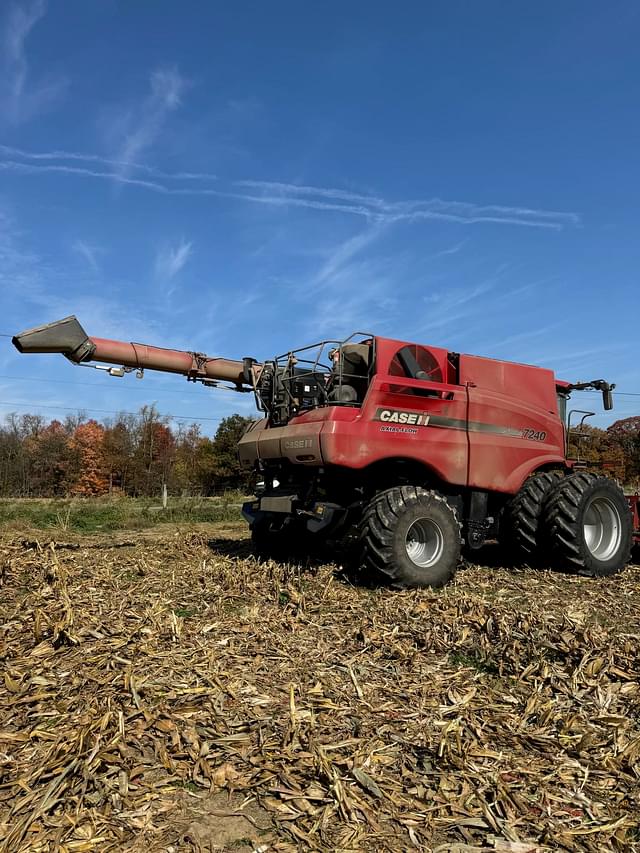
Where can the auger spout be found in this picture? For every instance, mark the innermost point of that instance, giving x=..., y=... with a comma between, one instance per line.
x=68, y=337
x=64, y=336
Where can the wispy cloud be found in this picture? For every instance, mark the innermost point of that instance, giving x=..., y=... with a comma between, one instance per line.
x=171, y=259
x=450, y=250
x=58, y=159
x=526, y=335
x=580, y=358
x=353, y=288
x=34, y=289
x=88, y=252
x=456, y=298
x=451, y=310
x=31, y=168
x=374, y=209
x=343, y=254
x=22, y=97
x=345, y=306
x=379, y=209
x=143, y=124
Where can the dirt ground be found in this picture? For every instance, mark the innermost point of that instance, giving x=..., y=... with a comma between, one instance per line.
x=166, y=691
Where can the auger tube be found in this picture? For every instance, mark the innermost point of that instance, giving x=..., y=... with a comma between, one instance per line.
x=68, y=337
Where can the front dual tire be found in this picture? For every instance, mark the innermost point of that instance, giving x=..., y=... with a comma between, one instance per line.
x=410, y=537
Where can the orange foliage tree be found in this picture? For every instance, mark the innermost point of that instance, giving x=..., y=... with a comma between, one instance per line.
x=88, y=442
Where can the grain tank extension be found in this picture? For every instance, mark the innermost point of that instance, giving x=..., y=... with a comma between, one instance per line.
x=405, y=450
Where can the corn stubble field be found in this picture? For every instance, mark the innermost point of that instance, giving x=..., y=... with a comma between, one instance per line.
x=166, y=691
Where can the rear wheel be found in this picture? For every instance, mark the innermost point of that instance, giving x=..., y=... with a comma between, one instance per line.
x=410, y=537
x=524, y=513
x=589, y=524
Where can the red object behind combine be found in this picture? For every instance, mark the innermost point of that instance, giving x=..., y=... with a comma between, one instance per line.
x=634, y=502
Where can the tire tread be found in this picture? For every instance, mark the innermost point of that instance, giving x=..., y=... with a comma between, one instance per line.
x=563, y=520
x=379, y=523
x=525, y=511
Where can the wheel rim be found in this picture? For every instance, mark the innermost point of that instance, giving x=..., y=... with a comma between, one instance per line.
x=602, y=528
x=424, y=542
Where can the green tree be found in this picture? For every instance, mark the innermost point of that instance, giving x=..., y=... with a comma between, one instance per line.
x=52, y=460
x=226, y=470
x=119, y=447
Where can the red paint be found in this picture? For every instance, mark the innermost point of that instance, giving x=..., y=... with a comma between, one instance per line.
x=189, y=364
x=488, y=394
x=516, y=398
x=634, y=503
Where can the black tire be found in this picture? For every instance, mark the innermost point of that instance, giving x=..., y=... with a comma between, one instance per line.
x=523, y=514
x=588, y=522
x=410, y=537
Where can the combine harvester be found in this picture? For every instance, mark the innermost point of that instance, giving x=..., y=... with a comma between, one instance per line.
x=411, y=450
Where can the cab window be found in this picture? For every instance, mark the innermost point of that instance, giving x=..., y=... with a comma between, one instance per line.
x=562, y=407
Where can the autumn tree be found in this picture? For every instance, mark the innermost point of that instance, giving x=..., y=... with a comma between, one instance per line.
x=87, y=443
x=52, y=460
x=189, y=469
x=626, y=434
x=14, y=458
x=206, y=466
x=118, y=447
x=154, y=452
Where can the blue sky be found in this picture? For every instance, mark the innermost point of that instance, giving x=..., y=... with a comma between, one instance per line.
x=244, y=178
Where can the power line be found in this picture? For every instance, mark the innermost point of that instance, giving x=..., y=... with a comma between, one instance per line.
x=137, y=387
x=615, y=393
x=99, y=411
x=174, y=391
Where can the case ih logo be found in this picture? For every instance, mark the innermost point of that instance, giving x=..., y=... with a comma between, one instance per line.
x=399, y=416
x=298, y=444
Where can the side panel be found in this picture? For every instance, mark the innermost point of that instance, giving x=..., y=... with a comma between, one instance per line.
x=248, y=444
x=514, y=426
x=404, y=418
x=299, y=442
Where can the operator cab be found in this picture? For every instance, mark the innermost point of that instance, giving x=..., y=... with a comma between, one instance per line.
x=330, y=373
x=349, y=377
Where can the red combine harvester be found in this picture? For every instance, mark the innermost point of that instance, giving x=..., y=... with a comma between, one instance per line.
x=408, y=450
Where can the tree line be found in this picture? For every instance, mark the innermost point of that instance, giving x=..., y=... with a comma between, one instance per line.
x=615, y=449
x=137, y=454
x=133, y=454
